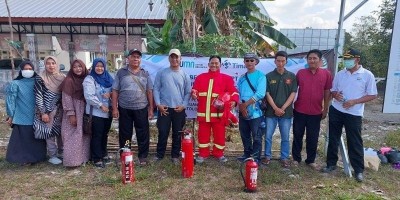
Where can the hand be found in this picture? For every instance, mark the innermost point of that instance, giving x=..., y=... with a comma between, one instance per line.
x=324, y=114
x=279, y=112
x=179, y=109
x=104, y=109
x=232, y=104
x=338, y=96
x=9, y=121
x=151, y=114
x=349, y=103
x=45, y=118
x=163, y=110
x=107, y=95
x=115, y=113
x=243, y=109
x=72, y=120
x=194, y=94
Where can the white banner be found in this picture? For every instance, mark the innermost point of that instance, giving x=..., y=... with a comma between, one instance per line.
x=231, y=66
x=391, y=102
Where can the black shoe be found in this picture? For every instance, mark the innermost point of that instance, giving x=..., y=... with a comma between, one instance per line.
x=99, y=165
x=328, y=169
x=359, y=177
x=242, y=158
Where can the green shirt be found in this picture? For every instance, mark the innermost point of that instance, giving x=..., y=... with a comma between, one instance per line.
x=280, y=86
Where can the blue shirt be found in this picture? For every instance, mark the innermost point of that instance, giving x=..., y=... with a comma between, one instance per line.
x=20, y=101
x=172, y=88
x=259, y=82
x=93, y=93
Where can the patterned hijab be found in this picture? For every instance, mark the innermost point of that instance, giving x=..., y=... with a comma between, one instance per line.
x=72, y=84
x=52, y=80
x=103, y=79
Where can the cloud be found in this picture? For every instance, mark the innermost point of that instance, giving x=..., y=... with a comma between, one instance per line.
x=316, y=13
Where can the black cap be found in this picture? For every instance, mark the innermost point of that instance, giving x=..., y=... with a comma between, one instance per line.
x=135, y=51
x=351, y=53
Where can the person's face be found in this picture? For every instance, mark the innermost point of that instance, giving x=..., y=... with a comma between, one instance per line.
x=280, y=62
x=27, y=67
x=77, y=68
x=214, y=64
x=250, y=63
x=99, y=68
x=50, y=66
x=134, y=59
x=313, y=61
x=174, y=60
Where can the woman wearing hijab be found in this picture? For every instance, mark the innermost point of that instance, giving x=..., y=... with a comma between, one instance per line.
x=97, y=91
x=76, y=144
x=48, y=111
x=23, y=148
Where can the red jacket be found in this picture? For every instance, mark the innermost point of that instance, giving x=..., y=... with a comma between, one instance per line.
x=208, y=86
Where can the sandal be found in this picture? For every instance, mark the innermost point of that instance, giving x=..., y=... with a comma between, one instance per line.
x=265, y=161
x=285, y=163
x=142, y=161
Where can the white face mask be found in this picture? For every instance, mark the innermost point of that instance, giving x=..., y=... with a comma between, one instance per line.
x=27, y=73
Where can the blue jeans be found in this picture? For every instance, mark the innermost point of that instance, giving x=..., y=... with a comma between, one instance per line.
x=284, y=129
x=251, y=135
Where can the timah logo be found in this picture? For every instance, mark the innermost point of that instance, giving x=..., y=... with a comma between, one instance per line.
x=226, y=64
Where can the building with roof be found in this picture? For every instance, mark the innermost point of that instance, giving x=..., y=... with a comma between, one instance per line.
x=76, y=28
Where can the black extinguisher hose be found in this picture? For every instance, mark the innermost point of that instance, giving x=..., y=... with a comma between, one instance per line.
x=241, y=172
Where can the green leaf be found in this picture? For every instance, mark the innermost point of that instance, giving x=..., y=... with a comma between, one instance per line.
x=277, y=36
x=210, y=22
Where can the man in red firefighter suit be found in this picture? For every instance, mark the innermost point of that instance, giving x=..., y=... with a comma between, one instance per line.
x=216, y=95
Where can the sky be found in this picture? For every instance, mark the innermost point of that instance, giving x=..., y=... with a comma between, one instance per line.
x=322, y=14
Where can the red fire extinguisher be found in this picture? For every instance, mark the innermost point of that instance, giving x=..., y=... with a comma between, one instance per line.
x=187, y=154
x=250, y=177
x=127, y=164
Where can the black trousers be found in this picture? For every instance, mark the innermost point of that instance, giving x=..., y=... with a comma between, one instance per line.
x=98, y=143
x=140, y=118
x=352, y=124
x=178, y=120
x=311, y=124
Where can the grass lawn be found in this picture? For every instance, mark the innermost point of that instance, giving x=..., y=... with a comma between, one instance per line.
x=212, y=180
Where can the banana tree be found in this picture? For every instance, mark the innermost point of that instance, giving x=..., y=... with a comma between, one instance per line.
x=239, y=18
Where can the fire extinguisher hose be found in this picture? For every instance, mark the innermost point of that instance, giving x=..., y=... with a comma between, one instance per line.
x=241, y=171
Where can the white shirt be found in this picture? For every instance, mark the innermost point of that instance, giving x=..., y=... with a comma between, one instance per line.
x=353, y=86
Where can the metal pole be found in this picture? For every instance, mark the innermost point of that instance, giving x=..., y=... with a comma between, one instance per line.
x=194, y=33
x=354, y=9
x=126, y=27
x=337, y=39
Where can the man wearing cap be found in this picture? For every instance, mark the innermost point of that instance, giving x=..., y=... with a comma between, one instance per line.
x=352, y=88
x=132, y=103
x=281, y=90
x=171, y=94
x=314, y=91
x=216, y=94
x=252, y=87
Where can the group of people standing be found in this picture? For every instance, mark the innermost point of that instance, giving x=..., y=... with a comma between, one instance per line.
x=46, y=112
x=51, y=106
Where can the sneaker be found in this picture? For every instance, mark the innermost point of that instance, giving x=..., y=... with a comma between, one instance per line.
x=108, y=160
x=55, y=161
x=99, y=165
x=175, y=161
x=222, y=159
x=328, y=169
x=199, y=159
x=359, y=177
x=314, y=166
x=265, y=161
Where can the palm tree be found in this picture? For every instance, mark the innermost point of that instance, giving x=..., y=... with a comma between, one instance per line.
x=242, y=19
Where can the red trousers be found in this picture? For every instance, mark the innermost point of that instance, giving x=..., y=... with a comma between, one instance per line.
x=218, y=129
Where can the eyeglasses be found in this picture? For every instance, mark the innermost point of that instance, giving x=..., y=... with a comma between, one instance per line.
x=250, y=60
